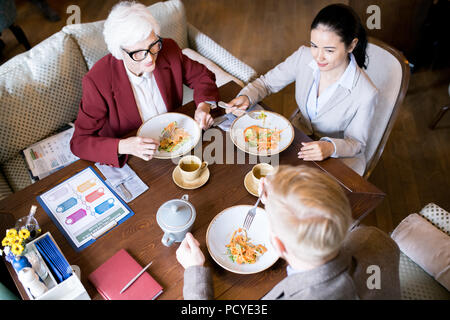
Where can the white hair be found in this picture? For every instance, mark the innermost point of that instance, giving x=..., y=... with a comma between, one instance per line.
x=127, y=24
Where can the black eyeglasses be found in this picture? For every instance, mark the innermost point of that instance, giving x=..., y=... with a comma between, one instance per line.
x=140, y=55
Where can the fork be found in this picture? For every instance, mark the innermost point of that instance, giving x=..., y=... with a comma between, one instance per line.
x=245, y=112
x=250, y=215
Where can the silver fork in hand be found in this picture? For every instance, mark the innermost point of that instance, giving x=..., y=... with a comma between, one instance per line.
x=251, y=114
x=250, y=215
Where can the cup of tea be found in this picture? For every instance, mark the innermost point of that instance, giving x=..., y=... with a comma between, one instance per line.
x=260, y=171
x=191, y=167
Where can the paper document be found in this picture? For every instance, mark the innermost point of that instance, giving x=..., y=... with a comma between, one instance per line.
x=50, y=155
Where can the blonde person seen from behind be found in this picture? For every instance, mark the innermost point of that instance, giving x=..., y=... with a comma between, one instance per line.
x=309, y=217
x=335, y=97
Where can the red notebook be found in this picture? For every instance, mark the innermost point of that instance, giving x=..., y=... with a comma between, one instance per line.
x=116, y=272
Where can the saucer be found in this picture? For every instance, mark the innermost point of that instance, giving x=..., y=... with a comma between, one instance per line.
x=197, y=183
x=250, y=185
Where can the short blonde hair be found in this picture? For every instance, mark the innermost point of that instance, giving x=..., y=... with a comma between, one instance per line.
x=128, y=23
x=308, y=211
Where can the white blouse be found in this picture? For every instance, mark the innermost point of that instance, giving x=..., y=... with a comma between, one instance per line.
x=147, y=95
x=314, y=103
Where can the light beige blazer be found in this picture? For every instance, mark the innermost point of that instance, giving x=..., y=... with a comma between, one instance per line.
x=346, y=118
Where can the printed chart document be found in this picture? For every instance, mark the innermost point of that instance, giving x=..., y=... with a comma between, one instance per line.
x=84, y=208
x=50, y=155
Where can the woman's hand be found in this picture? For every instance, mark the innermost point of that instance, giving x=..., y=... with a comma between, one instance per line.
x=143, y=148
x=203, y=117
x=238, y=105
x=316, y=150
x=189, y=253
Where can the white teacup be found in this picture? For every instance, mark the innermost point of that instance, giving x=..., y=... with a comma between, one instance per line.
x=260, y=171
x=191, y=167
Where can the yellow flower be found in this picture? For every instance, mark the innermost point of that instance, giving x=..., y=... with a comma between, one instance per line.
x=6, y=242
x=17, y=249
x=11, y=233
x=16, y=240
x=24, y=233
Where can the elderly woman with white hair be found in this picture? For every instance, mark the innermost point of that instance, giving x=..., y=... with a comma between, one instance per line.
x=143, y=76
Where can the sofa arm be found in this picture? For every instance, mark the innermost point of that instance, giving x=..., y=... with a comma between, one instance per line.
x=420, y=257
x=209, y=49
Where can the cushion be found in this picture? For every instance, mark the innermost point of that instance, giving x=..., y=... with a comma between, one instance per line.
x=437, y=216
x=5, y=189
x=209, y=49
x=16, y=173
x=169, y=14
x=40, y=91
x=222, y=77
x=426, y=245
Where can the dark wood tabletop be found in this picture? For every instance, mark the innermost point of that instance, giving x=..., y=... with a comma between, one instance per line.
x=141, y=236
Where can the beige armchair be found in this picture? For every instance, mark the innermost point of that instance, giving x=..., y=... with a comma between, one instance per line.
x=389, y=71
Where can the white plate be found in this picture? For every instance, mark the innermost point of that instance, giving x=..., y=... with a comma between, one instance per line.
x=153, y=127
x=272, y=121
x=219, y=235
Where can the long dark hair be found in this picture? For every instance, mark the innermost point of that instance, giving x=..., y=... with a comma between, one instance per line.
x=343, y=20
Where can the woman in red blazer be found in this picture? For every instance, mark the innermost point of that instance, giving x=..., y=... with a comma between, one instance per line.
x=141, y=68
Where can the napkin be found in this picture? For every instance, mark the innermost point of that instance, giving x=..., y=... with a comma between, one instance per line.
x=225, y=125
x=122, y=180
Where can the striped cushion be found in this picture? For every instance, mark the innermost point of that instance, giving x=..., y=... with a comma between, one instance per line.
x=209, y=49
x=437, y=216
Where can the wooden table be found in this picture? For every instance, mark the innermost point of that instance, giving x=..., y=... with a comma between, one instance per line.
x=141, y=236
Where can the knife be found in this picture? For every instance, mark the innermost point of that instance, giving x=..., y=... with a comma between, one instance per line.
x=219, y=120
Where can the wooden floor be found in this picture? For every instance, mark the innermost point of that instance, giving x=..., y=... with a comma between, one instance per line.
x=415, y=167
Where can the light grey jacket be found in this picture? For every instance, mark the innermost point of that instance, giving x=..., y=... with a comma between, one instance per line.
x=346, y=118
x=351, y=275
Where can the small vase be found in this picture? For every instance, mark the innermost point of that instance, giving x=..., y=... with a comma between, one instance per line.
x=31, y=225
x=20, y=262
